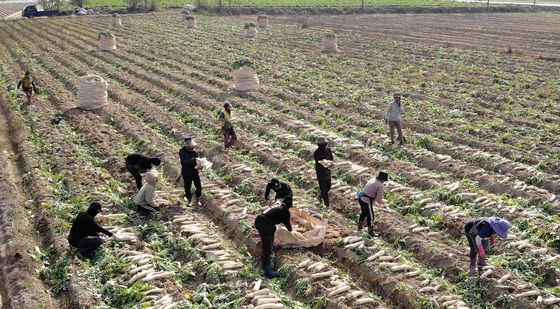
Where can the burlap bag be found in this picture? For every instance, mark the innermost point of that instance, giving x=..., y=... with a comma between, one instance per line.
x=107, y=43
x=313, y=235
x=191, y=24
x=92, y=92
x=245, y=79
x=116, y=21
x=263, y=22
x=251, y=32
x=329, y=45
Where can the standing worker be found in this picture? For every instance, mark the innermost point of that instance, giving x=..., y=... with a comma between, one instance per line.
x=28, y=86
x=189, y=170
x=282, y=190
x=477, y=230
x=371, y=193
x=322, y=169
x=84, y=232
x=138, y=164
x=265, y=223
x=227, y=127
x=393, y=118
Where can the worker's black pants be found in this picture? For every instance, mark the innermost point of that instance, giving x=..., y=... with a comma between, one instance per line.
x=325, y=187
x=367, y=212
x=266, y=232
x=136, y=174
x=88, y=245
x=230, y=138
x=288, y=201
x=188, y=180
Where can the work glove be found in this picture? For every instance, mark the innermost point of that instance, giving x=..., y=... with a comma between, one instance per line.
x=481, y=252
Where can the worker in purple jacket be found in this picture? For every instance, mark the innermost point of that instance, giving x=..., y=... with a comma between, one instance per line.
x=477, y=231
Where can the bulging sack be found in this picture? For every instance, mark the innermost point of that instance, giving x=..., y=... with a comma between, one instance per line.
x=251, y=32
x=245, y=79
x=307, y=231
x=107, y=43
x=329, y=45
x=263, y=22
x=92, y=92
x=191, y=24
x=116, y=21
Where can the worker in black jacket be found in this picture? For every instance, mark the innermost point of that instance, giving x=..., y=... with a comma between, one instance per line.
x=189, y=170
x=265, y=223
x=84, y=234
x=138, y=164
x=322, y=169
x=282, y=189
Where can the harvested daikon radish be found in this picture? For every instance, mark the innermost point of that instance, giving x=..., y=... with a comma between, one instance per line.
x=486, y=273
x=504, y=278
x=303, y=263
x=339, y=289
x=365, y=300
x=322, y=275
x=378, y=254
x=356, y=294
x=527, y=294
x=400, y=268
x=551, y=301
x=268, y=300
x=429, y=289
x=259, y=292
x=269, y=306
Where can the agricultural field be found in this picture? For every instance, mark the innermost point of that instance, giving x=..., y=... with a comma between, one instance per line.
x=8, y=9
x=284, y=3
x=482, y=140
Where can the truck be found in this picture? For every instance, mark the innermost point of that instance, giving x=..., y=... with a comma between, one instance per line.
x=31, y=11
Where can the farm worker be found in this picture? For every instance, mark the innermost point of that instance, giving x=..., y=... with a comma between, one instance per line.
x=189, y=170
x=138, y=164
x=265, y=224
x=28, y=86
x=323, y=152
x=146, y=201
x=479, y=229
x=84, y=232
x=282, y=190
x=230, y=138
x=371, y=193
x=393, y=118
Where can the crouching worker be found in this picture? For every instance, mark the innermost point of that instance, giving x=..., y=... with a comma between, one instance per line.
x=84, y=232
x=282, y=190
x=265, y=223
x=146, y=200
x=478, y=231
x=138, y=164
x=371, y=193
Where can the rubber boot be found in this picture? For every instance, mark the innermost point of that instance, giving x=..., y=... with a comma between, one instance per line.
x=482, y=262
x=472, y=267
x=360, y=225
x=269, y=273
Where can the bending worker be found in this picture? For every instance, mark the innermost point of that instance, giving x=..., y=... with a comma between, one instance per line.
x=477, y=231
x=189, y=170
x=230, y=138
x=282, y=190
x=138, y=164
x=371, y=193
x=265, y=224
x=28, y=86
x=323, y=172
x=84, y=232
